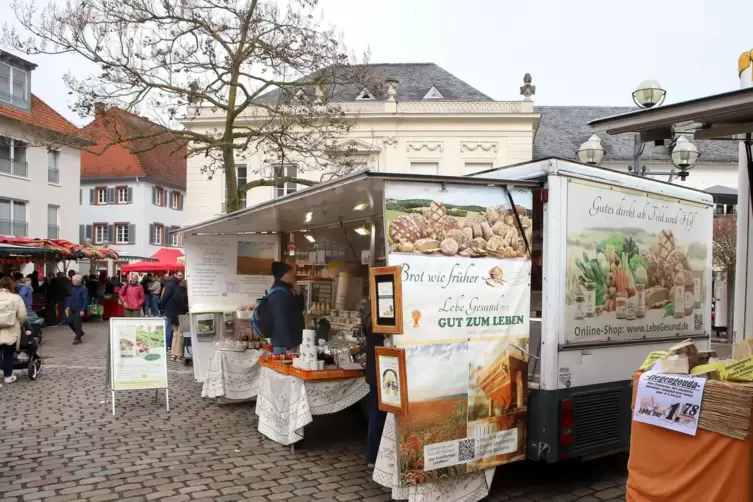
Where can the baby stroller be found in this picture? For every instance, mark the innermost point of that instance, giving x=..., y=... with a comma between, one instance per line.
x=27, y=356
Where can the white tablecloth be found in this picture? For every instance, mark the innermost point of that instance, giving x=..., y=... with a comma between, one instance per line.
x=469, y=488
x=286, y=404
x=232, y=376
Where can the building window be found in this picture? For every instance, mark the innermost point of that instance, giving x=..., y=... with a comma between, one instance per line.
x=13, y=217
x=13, y=157
x=158, y=198
x=158, y=233
x=285, y=170
x=13, y=86
x=123, y=195
x=175, y=201
x=53, y=172
x=424, y=168
x=121, y=233
x=174, y=241
x=365, y=95
x=100, y=234
x=241, y=178
x=101, y=196
x=53, y=228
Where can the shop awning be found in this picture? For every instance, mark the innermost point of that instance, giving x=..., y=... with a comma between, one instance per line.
x=164, y=260
x=346, y=200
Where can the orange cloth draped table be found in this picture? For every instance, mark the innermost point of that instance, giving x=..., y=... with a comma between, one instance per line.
x=668, y=466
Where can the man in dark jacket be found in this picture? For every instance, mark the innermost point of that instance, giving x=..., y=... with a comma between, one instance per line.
x=65, y=292
x=376, y=416
x=51, y=300
x=171, y=286
x=77, y=303
x=286, y=306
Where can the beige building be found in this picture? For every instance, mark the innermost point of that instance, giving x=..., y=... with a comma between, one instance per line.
x=432, y=122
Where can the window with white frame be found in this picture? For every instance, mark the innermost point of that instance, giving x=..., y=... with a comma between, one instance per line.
x=13, y=157
x=53, y=228
x=53, y=172
x=121, y=233
x=13, y=85
x=159, y=196
x=159, y=232
x=424, y=168
x=13, y=217
x=289, y=171
x=101, y=196
x=122, y=194
x=175, y=200
x=174, y=236
x=100, y=234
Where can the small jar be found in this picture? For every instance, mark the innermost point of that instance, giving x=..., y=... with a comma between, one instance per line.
x=590, y=299
x=580, y=312
x=630, y=312
x=620, y=305
x=640, y=300
x=697, y=290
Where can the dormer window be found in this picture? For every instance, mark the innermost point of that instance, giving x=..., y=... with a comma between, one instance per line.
x=301, y=96
x=365, y=95
x=13, y=86
x=433, y=94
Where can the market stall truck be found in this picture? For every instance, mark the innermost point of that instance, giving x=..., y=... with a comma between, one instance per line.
x=621, y=268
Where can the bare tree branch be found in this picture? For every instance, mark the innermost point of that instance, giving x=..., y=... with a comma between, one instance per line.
x=725, y=244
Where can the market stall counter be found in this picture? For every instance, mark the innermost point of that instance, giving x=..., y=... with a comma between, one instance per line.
x=232, y=375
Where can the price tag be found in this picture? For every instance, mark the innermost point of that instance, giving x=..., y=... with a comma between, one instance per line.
x=669, y=401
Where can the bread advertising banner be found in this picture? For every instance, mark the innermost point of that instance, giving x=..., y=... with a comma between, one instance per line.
x=638, y=265
x=466, y=305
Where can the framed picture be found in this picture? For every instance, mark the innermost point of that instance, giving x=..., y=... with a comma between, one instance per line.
x=392, y=383
x=386, y=300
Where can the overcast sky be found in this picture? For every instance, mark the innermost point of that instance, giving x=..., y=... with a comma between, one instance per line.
x=579, y=52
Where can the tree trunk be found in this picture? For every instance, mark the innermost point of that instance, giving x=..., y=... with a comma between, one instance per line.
x=730, y=306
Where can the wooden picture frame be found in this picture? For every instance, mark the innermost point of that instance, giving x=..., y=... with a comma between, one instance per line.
x=385, y=287
x=392, y=380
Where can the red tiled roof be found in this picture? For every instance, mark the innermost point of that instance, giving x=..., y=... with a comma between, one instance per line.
x=154, y=152
x=42, y=116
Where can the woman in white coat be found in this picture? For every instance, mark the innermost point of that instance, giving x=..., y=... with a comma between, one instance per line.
x=12, y=317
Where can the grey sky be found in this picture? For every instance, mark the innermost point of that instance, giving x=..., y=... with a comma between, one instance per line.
x=580, y=52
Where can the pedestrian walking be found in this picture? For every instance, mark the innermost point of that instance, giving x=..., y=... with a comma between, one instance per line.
x=65, y=290
x=171, y=286
x=12, y=317
x=132, y=297
x=77, y=305
x=176, y=307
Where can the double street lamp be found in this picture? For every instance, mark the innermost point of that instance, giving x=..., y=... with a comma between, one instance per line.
x=683, y=153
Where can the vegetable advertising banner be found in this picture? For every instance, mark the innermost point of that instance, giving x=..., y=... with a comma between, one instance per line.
x=138, y=357
x=637, y=265
x=466, y=306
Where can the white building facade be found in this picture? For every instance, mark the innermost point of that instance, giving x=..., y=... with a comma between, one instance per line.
x=39, y=178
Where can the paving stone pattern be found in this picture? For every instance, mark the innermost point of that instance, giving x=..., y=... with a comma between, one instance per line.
x=60, y=442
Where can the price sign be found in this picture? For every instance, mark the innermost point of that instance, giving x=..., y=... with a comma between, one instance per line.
x=669, y=401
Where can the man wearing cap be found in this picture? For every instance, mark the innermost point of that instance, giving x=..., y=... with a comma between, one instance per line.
x=286, y=306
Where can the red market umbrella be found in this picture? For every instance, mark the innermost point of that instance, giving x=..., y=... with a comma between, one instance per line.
x=168, y=260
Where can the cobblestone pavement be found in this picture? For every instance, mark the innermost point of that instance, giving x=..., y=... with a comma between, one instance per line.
x=60, y=442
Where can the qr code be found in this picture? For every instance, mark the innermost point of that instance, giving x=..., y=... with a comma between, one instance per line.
x=467, y=449
x=697, y=322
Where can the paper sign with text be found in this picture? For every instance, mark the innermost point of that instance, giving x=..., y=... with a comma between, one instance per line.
x=669, y=401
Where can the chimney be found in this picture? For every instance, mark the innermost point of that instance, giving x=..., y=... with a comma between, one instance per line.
x=99, y=108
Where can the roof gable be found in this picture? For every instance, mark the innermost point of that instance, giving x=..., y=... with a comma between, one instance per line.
x=44, y=118
x=154, y=152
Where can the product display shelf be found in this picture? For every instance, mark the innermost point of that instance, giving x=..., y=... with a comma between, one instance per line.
x=326, y=374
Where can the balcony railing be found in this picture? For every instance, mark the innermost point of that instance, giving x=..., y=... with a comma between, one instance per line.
x=53, y=232
x=11, y=227
x=14, y=167
x=53, y=176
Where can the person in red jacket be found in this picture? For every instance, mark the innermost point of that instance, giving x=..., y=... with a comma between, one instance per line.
x=132, y=297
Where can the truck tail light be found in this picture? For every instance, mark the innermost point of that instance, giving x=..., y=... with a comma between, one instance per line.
x=544, y=195
x=567, y=421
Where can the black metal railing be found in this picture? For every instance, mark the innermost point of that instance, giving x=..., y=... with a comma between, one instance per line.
x=12, y=227
x=53, y=176
x=53, y=232
x=14, y=167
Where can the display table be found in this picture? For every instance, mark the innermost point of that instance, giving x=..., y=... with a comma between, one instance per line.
x=286, y=403
x=111, y=308
x=232, y=376
x=668, y=466
x=470, y=488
